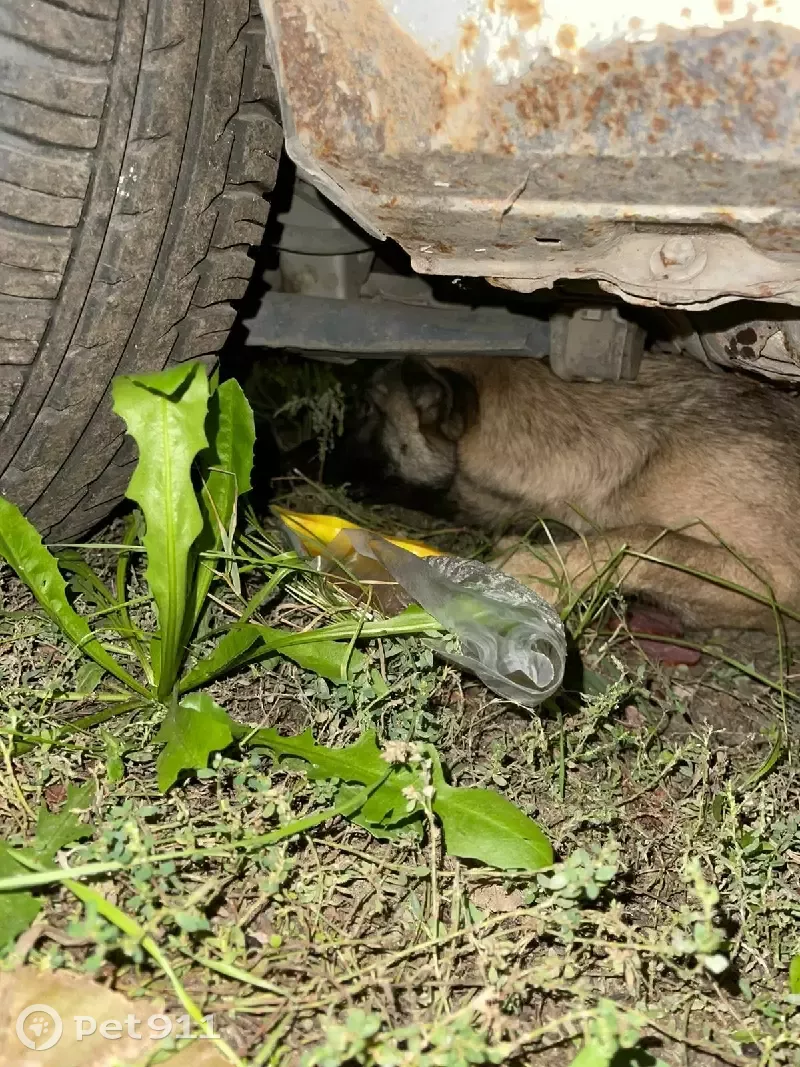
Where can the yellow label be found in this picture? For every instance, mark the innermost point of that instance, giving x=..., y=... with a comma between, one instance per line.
x=317, y=530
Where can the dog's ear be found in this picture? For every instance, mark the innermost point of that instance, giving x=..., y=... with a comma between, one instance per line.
x=446, y=402
x=430, y=392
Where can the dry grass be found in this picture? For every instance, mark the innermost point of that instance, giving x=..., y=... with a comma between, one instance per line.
x=672, y=798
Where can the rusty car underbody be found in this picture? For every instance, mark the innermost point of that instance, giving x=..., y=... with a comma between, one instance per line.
x=630, y=164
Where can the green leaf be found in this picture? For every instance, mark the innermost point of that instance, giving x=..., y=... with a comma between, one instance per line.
x=479, y=824
x=596, y=1054
x=388, y=806
x=360, y=762
x=776, y=752
x=407, y=622
x=136, y=639
x=326, y=651
x=114, y=750
x=243, y=644
x=794, y=975
x=18, y=909
x=231, y=651
x=609, y=1032
x=56, y=830
x=22, y=547
x=190, y=923
x=334, y=660
x=191, y=731
x=165, y=414
x=594, y=684
x=88, y=677
x=225, y=467
x=393, y=825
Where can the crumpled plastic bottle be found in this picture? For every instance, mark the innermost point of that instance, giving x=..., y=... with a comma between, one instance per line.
x=509, y=637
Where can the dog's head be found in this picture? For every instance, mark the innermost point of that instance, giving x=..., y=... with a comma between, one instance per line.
x=413, y=418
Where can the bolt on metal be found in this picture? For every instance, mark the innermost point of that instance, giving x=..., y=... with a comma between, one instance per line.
x=678, y=259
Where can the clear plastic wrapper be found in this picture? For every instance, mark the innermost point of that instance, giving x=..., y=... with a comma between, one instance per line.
x=509, y=636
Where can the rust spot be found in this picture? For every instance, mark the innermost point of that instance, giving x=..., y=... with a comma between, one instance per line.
x=592, y=104
x=319, y=57
x=510, y=50
x=528, y=13
x=725, y=7
x=403, y=106
x=566, y=37
x=469, y=35
x=778, y=67
x=328, y=150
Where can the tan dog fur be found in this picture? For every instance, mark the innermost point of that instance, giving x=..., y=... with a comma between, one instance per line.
x=715, y=458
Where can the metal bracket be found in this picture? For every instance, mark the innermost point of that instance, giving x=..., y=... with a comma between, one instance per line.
x=384, y=328
x=595, y=344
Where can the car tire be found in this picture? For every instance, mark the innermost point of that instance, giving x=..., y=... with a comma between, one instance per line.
x=138, y=142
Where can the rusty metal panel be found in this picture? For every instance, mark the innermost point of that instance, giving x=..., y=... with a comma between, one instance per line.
x=655, y=150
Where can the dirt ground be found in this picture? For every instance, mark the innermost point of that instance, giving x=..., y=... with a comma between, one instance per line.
x=665, y=931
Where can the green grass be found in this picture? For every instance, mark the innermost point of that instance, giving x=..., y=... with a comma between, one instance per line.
x=671, y=797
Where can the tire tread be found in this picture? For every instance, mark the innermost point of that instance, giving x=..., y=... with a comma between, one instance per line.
x=133, y=263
